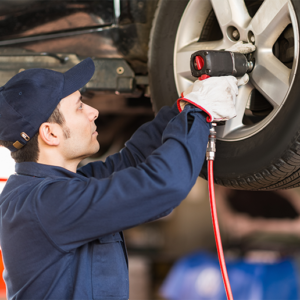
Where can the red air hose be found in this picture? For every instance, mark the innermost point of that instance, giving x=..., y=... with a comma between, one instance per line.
x=210, y=156
x=215, y=222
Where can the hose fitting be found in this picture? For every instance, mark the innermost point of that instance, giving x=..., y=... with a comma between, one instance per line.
x=211, y=145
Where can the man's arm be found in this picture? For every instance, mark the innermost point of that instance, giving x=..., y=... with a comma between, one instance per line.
x=76, y=211
x=143, y=142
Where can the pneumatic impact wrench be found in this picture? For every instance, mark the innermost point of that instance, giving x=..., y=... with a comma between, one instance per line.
x=208, y=63
x=204, y=64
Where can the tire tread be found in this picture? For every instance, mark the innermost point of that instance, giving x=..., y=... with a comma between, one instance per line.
x=284, y=173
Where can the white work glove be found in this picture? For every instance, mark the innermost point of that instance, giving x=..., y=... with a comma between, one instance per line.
x=216, y=96
x=242, y=48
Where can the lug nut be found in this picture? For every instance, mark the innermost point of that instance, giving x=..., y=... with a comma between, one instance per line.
x=235, y=34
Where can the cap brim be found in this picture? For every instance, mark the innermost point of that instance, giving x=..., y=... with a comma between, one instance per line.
x=78, y=76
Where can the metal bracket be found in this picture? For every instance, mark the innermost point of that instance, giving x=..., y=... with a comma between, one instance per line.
x=114, y=75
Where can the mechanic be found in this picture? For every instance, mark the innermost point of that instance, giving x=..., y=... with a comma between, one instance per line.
x=61, y=227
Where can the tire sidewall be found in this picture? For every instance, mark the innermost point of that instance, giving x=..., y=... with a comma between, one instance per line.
x=161, y=52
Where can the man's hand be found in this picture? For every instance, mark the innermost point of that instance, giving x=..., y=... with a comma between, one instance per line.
x=242, y=48
x=216, y=96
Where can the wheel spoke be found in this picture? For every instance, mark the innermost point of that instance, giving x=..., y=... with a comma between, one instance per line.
x=237, y=122
x=271, y=78
x=231, y=12
x=270, y=21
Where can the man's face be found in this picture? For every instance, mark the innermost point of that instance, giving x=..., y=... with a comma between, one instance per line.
x=79, y=120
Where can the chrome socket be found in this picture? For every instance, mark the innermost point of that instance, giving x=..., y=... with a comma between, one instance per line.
x=250, y=66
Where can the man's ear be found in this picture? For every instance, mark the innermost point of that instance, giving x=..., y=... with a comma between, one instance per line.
x=50, y=133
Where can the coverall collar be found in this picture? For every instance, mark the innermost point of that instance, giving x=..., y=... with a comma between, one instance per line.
x=40, y=170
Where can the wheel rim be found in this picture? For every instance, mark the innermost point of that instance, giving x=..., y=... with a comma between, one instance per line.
x=271, y=78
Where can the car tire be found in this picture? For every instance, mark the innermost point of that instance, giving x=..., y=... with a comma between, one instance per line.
x=268, y=157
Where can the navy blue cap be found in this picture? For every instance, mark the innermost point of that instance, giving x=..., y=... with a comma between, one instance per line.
x=28, y=99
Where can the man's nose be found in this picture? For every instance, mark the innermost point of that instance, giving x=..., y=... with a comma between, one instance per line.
x=93, y=113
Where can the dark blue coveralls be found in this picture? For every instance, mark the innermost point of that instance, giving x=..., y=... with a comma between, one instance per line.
x=61, y=231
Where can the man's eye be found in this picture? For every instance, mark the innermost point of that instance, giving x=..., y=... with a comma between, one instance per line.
x=81, y=104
